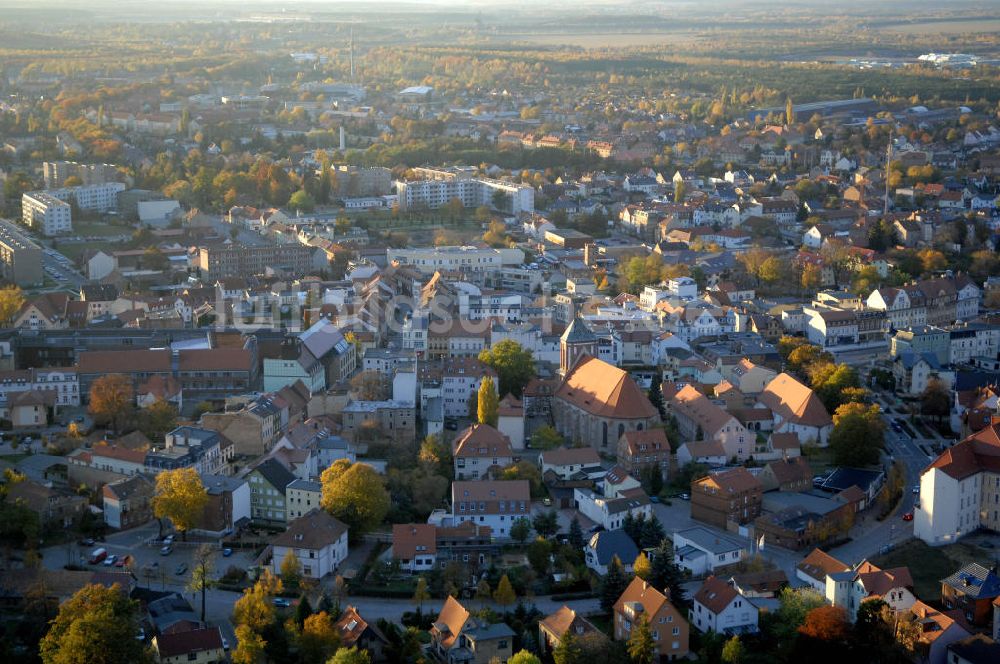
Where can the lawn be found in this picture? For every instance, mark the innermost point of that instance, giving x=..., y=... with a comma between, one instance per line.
x=928, y=564
x=99, y=228
x=73, y=250
x=820, y=459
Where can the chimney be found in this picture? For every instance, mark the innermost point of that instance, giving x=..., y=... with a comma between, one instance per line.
x=343, y=139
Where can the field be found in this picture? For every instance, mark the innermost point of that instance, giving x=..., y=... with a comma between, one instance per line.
x=929, y=564
x=589, y=40
x=957, y=26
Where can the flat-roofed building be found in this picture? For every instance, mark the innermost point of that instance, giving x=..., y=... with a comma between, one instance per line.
x=46, y=213
x=20, y=256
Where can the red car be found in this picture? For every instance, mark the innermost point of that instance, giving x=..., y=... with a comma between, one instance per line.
x=908, y=516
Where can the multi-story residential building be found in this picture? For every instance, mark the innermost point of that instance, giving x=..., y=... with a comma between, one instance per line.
x=850, y=589
x=641, y=601
x=293, y=361
x=479, y=451
x=566, y=462
x=57, y=172
x=93, y=197
x=922, y=339
x=253, y=428
x=230, y=260
x=493, y=503
x=796, y=409
x=937, y=301
x=972, y=340
x=638, y=450
x=698, y=419
x=611, y=511
x=302, y=497
x=456, y=380
x=228, y=507
x=730, y=496
x=46, y=214
x=392, y=419
x=702, y=551
x=718, y=607
x=972, y=590
x=205, y=450
x=128, y=502
x=429, y=260
x=64, y=383
x=513, y=199
x=318, y=540
x=268, y=483
x=54, y=509
x=20, y=256
x=960, y=490
x=457, y=637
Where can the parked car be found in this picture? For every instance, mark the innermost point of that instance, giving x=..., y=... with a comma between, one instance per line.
x=89, y=541
x=227, y=552
x=110, y=560
x=225, y=644
x=169, y=539
x=916, y=490
x=166, y=550
x=908, y=516
x=181, y=569
x=685, y=496
x=282, y=602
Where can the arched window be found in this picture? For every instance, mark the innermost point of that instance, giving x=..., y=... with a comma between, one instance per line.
x=621, y=430
x=638, y=427
x=604, y=434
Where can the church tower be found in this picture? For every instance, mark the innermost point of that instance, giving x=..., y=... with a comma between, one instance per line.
x=577, y=340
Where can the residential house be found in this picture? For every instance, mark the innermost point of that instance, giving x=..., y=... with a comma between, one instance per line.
x=789, y=474
x=730, y=496
x=493, y=503
x=268, y=483
x=555, y=626
x=317, y=539
x=480, y=451
x=228, y=506
x=814, y=568
x=356, y=632
x=301, y=497
x=936, y=630
x=701, y=551
x=459, y=638
x=718, y=607
x=976, y=649
x=610, y=512
x=128, y=502
x=639, y=450
x=972, y=590
x=796, y=409
x=866, y=581
x=202, y=645
x=414, y=545
x=606, y=545
x=641, y=601
x=699, y=419
x=566, y=462
x=54, y=509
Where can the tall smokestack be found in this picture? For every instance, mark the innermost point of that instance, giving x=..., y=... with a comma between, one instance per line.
x=343, y=139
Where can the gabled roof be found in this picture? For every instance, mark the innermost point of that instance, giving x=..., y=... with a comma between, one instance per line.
x=566, y=456
x=794, y=402
x=604, y=390
x=819, y=563
x=407, y=537
x=192, y=641
x=351, y=626
x=649, y=598
x=715, y=594
x=450, y=622
x=481, y=440
x=698, y=408
x=975, y=581
x=565, y=620
x=735, y=480
x=276, y=474
x=315, y=530
x=607, y=544
x=877, y=582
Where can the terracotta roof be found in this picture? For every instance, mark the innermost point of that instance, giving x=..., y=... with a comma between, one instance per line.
x=510, y=406
x=601, y=389
x=191, y=641
x=978, y=452
x=123, y=361
x=880, y=581
x=645, y=441
x=450, y=622
x=715, y=594
x=736, y=480
x=794, y=402
x=768, y=581
x=112, y=451
x=481, y=440
x=819, y=563
x=214, y=359
x=651, y=599
x=785, y=441
x=160, y=387
x=563, y=620
x=406, y=537
x=566, y=456
x=705, y=448
x=791, y=470
x=351, y=625
x=315, y=530
x=694, y=405
x=933, y=623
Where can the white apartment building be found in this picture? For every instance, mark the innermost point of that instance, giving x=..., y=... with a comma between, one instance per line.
x=469, y=259
x=45, y=213
x=473, y=193
x=97, y=197
x=63, y=382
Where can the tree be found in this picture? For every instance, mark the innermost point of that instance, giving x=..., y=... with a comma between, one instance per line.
x=489, y=404
x=733, y=652
x=613, y=584
x=97, y=624
x=111, y=401
x=483, y=593
x=421, y=594
x=935, y=401
x=515, y=365
x=302, y=610
x=201, y=573
x=504, y=595
x=664, y=573
x=355, y=494
x=539, y=554
x=680, y=191
x=858, y=434
x=524, y=657
x=793, y=606
x=642, y=567
x=652, y=532
x=370, y=386
x=655, y=396
x=181, y=497
x=641, y=647
x=568, y=651
x=826, y=623
x=11, y=301
x=302, y=201
x=520, y=530
x=249, y=646
x=546, y=438
x=253, y=609
x=158, y=419
x=291, y=570
x=575, y=537
x=319, y=638
x=789, y=111
x=546, y=523
x=496, y=234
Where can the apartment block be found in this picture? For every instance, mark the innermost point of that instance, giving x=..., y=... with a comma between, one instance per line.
x=517, y=199
x=45, y=213
x=20, y=256
x=221, y=261
x=94, y=197
x=57, y=172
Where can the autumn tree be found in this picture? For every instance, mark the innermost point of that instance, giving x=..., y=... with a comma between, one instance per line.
x=355, y=494
x=641, y=646
x=504, y=595
x=935, y=400
x=11, y=301
x=826, y=623
x=515, y=365
x=370, y=386
x=642, y=567
x=253, y=608
x=524, y=657
x=352, y=655
x=421, y=594
x=858, y=434
x=157, y=419
x=319, y=638
x=733, y=651
x=483, y=593
x=291, y=570
x=111, y=401
x=201, y=573
x=249, y=646
x=181, y=497
x=96, y=624
x=489, y=403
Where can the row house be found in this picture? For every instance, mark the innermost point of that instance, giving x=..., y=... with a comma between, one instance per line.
x=494, y=503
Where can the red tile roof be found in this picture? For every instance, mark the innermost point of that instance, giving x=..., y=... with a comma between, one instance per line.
x=601, y=389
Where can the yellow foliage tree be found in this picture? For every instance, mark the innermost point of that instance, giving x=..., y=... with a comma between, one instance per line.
x=111, y=400
x=181, y=497
x=489, y=403
x=11, y=301
x=355, y=494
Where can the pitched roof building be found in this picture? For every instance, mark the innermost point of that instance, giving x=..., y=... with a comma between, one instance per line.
x=796, y=409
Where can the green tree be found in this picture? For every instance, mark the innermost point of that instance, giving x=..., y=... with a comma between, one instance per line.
x=655, y=395
x=546, y=523
x=665, y=574
x=524, y=657
x=575, y=536
x=181, y=497
x=546, y=438
x=935, y=400
x=291, y=570
x=568, y=651
x=355, y=494
x=302, y=201
x=489, y=403
x=97, y=624
x=157, y=419
x=641, y=647
x=514, y=365
x=613, y=585
x=504, y=595
x=858, y=435
x=520, y=530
